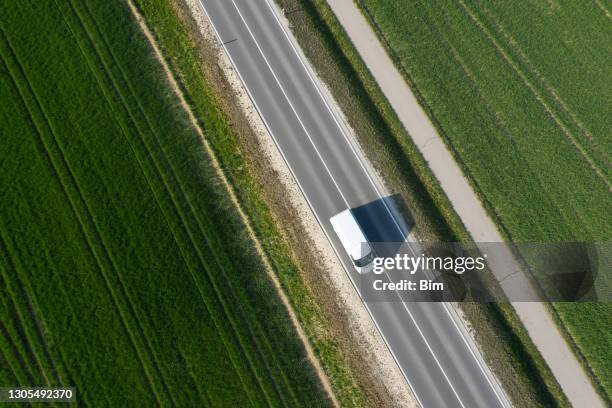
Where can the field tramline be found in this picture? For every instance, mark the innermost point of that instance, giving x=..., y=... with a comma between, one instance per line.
x=123, y=263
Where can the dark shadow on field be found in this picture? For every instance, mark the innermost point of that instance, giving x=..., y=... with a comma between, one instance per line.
x=569, y=272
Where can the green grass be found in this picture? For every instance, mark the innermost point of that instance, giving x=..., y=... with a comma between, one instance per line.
x=125, y=270
x=193, y=62
x=521, y=94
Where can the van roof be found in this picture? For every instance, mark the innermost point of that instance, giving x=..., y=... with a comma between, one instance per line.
x=350, y=234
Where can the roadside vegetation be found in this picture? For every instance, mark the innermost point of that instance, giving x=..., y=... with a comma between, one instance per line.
x=194, y=63
x=521, y=93
x=125, y=269
x=505, y=344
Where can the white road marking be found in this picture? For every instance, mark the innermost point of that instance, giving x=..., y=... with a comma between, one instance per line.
x=342, y=131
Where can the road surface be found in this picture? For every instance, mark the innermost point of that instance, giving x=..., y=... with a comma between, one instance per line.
x=425, y=339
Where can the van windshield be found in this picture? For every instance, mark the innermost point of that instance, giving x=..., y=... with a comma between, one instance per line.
x=365, y=260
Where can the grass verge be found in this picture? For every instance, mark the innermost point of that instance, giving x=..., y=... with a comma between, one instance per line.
x=505, y=344
x=194, y=62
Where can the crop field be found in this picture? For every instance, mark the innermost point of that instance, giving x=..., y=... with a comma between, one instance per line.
x=125, y=270
x=521, y=92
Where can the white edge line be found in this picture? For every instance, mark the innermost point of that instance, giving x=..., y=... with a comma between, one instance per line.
x=290, y=104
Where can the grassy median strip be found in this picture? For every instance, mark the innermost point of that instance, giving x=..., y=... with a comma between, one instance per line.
x=126, y=271
x=526, y=85
x=506, y=346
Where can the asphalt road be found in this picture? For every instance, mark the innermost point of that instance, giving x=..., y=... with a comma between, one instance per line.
x=425, y=339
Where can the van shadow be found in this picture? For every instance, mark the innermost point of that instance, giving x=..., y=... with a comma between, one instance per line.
x=384, y=220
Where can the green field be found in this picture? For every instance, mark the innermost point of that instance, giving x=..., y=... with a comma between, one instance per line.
x=125, y=271
x=521, y=93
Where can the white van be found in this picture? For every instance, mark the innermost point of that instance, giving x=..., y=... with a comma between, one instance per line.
x=353, y=240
